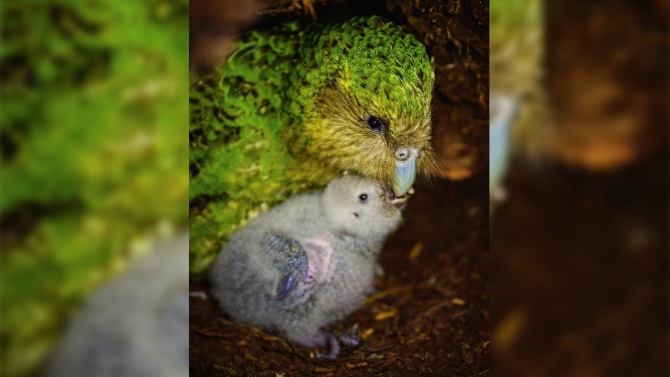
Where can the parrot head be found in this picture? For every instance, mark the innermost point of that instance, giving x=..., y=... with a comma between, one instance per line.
x=367, y=102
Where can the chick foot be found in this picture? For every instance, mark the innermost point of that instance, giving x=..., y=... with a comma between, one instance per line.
x=349, y=340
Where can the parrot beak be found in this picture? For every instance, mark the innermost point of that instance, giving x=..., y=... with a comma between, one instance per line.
x=405, y=172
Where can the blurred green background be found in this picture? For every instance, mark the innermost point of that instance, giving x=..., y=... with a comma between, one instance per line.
x=93, y=125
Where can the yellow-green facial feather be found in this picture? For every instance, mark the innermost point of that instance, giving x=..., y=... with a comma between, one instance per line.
x=341, y=139
x=367, y=68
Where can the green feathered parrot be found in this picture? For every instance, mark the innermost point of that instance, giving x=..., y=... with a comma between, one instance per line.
x=294, y=107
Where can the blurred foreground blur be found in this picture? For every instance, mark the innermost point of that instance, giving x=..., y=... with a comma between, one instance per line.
x=137, y=325
x=94, y=156
x=579, y=243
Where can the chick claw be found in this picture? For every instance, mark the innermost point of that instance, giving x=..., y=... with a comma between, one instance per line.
x=289, y=257
x=349, y=340
x=333, y=348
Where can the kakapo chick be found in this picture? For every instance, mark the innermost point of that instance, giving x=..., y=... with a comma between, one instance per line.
x=308, y=262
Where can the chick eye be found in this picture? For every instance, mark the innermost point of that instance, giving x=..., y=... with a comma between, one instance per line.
x=375, y=124
x=363, y=197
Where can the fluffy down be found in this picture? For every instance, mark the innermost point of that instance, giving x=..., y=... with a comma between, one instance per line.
x=338, y=232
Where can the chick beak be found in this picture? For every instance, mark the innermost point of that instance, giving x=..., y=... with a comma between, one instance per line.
x=405, y=170
x=399, y=202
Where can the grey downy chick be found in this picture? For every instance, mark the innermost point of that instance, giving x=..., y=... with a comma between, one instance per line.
x=308, y=262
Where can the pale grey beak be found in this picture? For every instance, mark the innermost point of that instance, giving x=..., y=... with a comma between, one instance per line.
x=405, y=173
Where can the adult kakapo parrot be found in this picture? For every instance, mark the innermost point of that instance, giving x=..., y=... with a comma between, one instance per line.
x=297, y=105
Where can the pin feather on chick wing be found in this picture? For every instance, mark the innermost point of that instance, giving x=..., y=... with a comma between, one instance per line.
x=296, y=106
x=308, y=262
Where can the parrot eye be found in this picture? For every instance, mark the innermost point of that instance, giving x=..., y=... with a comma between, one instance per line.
x=375, y=124
x=363, y=197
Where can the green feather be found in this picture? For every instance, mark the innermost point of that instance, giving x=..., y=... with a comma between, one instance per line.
x=286, y=113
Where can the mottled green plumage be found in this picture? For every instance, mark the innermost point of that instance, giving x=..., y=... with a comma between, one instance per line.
x=287, y=112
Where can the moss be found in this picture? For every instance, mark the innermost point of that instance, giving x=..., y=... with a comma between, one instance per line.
x=94, y=154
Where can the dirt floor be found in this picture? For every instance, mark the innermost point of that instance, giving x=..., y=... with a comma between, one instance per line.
x=429, y=316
